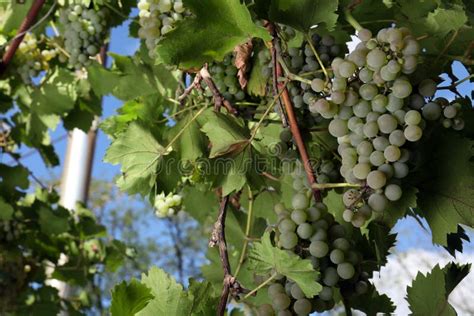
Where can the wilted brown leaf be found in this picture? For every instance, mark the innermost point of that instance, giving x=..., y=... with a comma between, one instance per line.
x=242, y=62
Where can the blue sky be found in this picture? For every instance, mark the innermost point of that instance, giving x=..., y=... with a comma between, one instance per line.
x=411, y=235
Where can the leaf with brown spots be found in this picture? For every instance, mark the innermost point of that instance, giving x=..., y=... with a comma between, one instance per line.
x=242, y=61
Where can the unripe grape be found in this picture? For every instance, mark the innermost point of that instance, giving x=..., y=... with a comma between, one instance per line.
x=400, y=170
x=376, y=58
x=392, y=153
x=275, y=288
x=280, y=301
x=393, y=192
x=427, y=88
x=431, y=111
x=387, y=123
x=304, y=230
x=413, y=117
x=330, y=276
x=302, y=307
x=296, y=292
x=413, y=133
x=300, y=201
x=401, y=88
x=288, y=240
x=336, y=256
x=318, y=249
x=368, y=91
x=376, y=179
x=345, y=270
x=364, y=35
x=450, y=112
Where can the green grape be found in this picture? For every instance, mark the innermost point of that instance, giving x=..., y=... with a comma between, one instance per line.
x=318, y=85
x=361, y=170
x=400, y=170
x=354, y=122
x=380, y=143
x=450, y=112
x=379, y=103
x=358, y=220
x=336, y=256
x=392, y=153
x=431, y=111
x=338, y=128
x=393, y=192
x=387, y=169
x=401, y=88
x=345, y=270
x=280, y=301
x=412, y=47
x=370, y=129
x=314, y=214
x=279, y=208
x=427, y=88
x=338, y=97
x=377, y=158
x=319, y=235
x=447, y=123
x=458, y=124
x=361, y=287
x=347, y=215
x=287, y=225
x=376, y=58
x=393, y=66
x=416, y=101
x=365, y=148
x=330, y=276
x=350, y=197
x=318, y=249
x=288, y=240
x=300, y=201
x=397, y=138
x=365, y=211
x=275, y=289
x=296, y=292
x=326, y=293
x=376, y=179
x=387, y=123
x=337, y=231
x=368, y=91
x=372, y=117
x=394, y=103
x=361, y=109
x=405, y=155
x=413, y=117
x=366, y=75
x=413, y=133
x=341, y=244
x=302, y=307
x=304, y=230
x=347, y=69
x=265, y=310
x=299, y=216
x=364, y=35
x=351, y=98
x=284, y=313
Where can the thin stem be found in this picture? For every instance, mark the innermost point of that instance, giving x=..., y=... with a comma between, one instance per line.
x=269, y=108
x=267, y=281
x=455, y=84
x=291, y=75
x=178, y=113
x=247, y=232
x=323, y=186
x=351, y=20
x=315, y=52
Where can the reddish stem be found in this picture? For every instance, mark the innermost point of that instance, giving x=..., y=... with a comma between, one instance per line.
x=25, y=25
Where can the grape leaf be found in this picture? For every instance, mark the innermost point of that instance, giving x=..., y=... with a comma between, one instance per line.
x=446, y=196
x=129, y=299
x=51, y=223
x=303, y=14
x=216, y=28
x=57, y=95
x=6, y=210
x=455, y=241
x=398, y=209
x=265, y=258
x=138, y=152
x=199, y=203
x=372, y=303
x=428, y=294
x=12, y=177
x=192, y=142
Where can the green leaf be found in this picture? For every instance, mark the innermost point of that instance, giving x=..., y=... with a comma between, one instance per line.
x=372, y=303
x=446, y=196
x=225, y=134
x=265, y=258
x=103, y=81
x=13, y=177
x=170, y=298
x=129, y=299
x=303, y=14
x=428, y=294
x=6, y=210
x=192, y=143
x=263, y=205
x=214, y=30
x=199, y=203
x=52, y=224
x=57, y=95
x=138, y=152
x=396, y=210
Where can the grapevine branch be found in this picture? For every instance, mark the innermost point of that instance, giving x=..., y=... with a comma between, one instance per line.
x=190, y=88
x=219, y=99
x=231, y=286
x=25, y=25
x=292, y=117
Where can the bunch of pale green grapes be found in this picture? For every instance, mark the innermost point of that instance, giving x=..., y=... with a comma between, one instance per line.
x=313, y=233
x=31, y=59
x=167, y=205
x=84, y=33
x=158, y=17
x=375, y=114
x=449, y=114
x=224, y=75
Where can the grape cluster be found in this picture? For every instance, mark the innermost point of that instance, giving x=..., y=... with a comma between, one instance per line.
x=31, y=58
x=84, y=33
x=224, y=75
x=314, y=234
x=449, y=114
x=157, y=17
x=375, y=114
x=167, y=205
